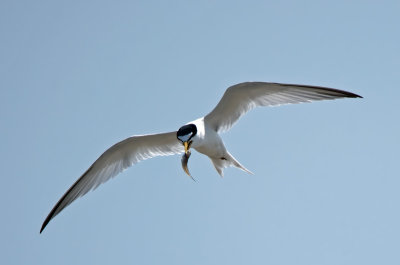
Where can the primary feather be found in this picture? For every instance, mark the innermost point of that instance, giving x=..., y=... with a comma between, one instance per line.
x=241, y=98
x=117, y=158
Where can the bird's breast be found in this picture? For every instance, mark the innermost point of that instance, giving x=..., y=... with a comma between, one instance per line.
x=209, y=143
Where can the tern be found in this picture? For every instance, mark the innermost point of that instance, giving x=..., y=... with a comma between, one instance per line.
x=201, y=134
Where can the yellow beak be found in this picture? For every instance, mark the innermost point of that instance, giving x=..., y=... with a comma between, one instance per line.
x=187, y=146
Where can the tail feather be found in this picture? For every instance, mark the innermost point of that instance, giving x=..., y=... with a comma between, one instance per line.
x=240, y=166
x=227, y=161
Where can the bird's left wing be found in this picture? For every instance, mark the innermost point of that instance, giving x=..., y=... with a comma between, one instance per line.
x=241, y=98
x=114, y=160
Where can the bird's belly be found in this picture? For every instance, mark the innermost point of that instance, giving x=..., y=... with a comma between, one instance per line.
x=207, y=141
x=213, y=150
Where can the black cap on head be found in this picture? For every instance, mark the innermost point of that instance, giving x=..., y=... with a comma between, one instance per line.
x=186, y=132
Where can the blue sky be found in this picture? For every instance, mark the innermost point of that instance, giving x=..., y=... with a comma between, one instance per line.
x=78, y=76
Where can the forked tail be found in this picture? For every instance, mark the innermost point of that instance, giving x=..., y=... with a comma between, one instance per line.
x=227, y=161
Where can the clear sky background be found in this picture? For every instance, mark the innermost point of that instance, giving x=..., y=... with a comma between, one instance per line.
x=78, y=76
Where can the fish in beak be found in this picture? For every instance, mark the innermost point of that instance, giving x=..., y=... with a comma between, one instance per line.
x=185, y=160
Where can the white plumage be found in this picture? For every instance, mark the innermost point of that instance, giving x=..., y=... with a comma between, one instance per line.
x=201, y=134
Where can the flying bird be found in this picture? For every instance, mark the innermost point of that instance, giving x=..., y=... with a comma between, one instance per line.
x=201, y=134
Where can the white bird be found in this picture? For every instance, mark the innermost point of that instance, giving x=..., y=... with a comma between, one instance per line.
x=201, y=134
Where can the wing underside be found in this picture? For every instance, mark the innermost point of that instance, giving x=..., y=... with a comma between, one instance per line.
x=114, y=160
x=241, y=98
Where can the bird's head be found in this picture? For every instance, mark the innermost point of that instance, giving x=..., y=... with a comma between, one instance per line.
x=185, y=135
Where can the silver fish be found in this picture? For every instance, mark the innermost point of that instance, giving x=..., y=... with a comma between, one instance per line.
x=185, y=160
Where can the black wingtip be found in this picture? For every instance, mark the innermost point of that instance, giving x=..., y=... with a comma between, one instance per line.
x=352, y=95
x=56, y=209
x=346, y=94
x=49, y=217
x=328, y=90
x=44, y=224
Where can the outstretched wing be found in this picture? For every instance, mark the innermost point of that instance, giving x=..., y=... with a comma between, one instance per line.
x=117, y=158
x=241, y=98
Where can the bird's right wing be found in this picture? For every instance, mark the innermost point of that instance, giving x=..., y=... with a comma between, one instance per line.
x=114, y=160
x=241, y=98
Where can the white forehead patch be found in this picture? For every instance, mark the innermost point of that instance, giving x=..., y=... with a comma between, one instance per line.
x=185, y=138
